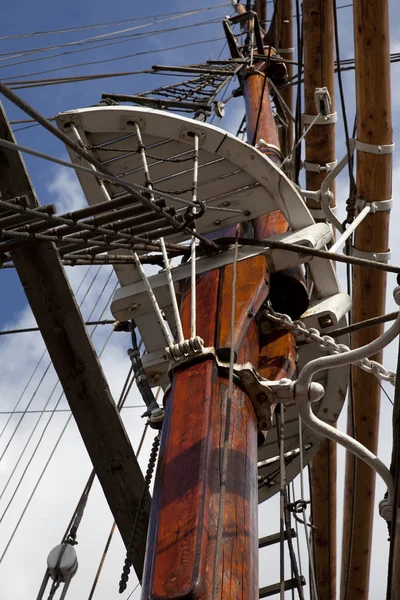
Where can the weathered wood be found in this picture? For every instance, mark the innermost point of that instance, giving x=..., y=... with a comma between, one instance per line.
x=75, y=361
x=318, y=36
x=374, y=126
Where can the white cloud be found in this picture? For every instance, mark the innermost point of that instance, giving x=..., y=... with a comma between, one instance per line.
x=65, y=191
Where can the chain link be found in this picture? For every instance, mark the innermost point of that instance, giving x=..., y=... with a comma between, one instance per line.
x=328, y=343
x=137, y=151
x=130, y=552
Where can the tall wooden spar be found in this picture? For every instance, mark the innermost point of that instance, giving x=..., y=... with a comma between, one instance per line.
x=374, y=166
x=318, y=36
x=186, y=558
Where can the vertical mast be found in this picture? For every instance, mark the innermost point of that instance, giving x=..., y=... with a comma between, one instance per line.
x=189, y=554
x=374, y=182
x=284, y=24
x=318, y=36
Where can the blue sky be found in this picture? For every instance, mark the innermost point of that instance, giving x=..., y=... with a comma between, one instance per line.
x=55, y=499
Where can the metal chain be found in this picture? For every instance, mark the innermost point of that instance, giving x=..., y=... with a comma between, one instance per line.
x=137, y=151
x=329, y=344
x=174, y=192
x=130, y=552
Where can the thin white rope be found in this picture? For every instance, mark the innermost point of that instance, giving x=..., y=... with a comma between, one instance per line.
x=300, y=139
x=296, y=524
x=193, y=287
x=154, y=302
x=172, y=293
x=281, y=423
x=193, y=241
x=309, y=551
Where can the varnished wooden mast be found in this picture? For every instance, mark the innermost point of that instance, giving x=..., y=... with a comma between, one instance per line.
x=374, y=182
x=284, y=18
x=182, y=560
x=318, y=39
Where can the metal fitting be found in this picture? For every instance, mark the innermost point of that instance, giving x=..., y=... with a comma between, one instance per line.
x=376, y=205
x=374, y=148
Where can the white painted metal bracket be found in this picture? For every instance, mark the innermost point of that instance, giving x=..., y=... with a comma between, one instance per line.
x=131, y=301
x=321, y=120
x=382, y=257
x=374, y=148
x=317, y=168
x=376, y=205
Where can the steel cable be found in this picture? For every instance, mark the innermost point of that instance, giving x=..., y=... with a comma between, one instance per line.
x=46, y=426
x=108, y=23
x=43, y=375
x=44, y=470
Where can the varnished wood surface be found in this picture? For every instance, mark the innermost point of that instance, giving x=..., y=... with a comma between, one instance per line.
x=373, y=176
x=319, y=48
x=181, y=544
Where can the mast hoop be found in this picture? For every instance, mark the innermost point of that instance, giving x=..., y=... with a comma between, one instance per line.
x=374, y=148
x=318, y=168
x=320, y=120
x=376, y=205
x=262, y=392
x=383, y=257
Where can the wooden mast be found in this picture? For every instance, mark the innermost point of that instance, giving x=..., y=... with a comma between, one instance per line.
x=374, y=126
x=284, y=24
x=318, y=39
x=184, y=558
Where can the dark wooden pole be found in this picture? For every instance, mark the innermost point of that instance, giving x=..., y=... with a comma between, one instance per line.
x=318, y=36
x=374, y=182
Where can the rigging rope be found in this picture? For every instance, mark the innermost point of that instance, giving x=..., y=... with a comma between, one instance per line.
x=279, y=412
x=51, y=455
x=113, y=527
x=120, y=40
x=108, y=23
x=48, y=422
x=33, y=374
x=303, y=509
x=115, y=58
x=37, y=388
x=114, y=34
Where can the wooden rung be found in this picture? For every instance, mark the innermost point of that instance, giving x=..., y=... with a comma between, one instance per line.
x=275, y=538
x=271, y=590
